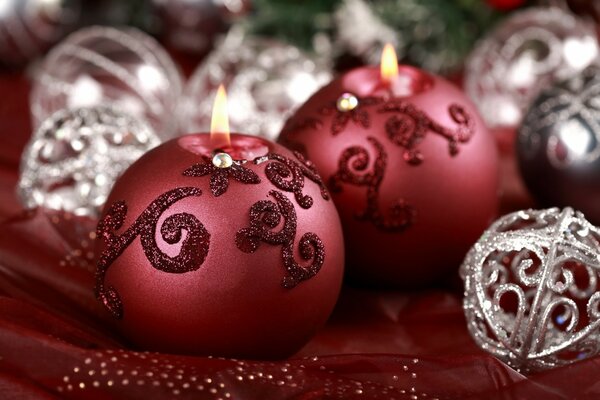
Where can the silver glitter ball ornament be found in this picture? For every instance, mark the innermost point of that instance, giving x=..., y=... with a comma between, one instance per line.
x=524, y=54
x=123, y=68
x=73, y=159
x=30, y=27
x=265, y=81
x=558, y=145
x=531, y=289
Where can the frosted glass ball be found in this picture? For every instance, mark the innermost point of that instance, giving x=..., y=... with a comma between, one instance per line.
x=265, y=80
x=30, y=27
x=121, y=68
x=524, y=54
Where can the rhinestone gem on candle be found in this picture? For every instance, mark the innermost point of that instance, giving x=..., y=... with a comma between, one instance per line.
x=347, y=102
x=222, y=160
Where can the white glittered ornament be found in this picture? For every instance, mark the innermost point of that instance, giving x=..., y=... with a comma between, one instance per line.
x=73, y=159
x=265, y=80
x=123, y=68
x=531, y=289
x=524, y=54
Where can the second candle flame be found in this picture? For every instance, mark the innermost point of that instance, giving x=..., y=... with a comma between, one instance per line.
x=389, y=64
x=219, y=124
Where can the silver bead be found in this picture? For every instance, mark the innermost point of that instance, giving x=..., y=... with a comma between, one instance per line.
x=524, y=54
x=522, y=302
x=73, y=159
x=265, y=80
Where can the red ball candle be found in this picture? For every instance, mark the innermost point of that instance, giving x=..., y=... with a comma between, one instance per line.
x=222, y=246
x=411, y=167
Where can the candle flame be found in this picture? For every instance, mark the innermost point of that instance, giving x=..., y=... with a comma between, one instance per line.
x=389, y=64
x=219, y=124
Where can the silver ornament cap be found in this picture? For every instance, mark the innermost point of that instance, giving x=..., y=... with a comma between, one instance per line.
x=531, y=289
x=74, y=158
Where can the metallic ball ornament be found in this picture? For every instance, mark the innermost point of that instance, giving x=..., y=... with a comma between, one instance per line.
x=524, y=54
x=531, y=289
x=266, y=81
x=76, y=155
x=124, y=68
x=558, y=145
x=30, y=27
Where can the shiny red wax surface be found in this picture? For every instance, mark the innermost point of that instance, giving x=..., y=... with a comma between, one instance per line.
x=454, y=197
x=234, y=304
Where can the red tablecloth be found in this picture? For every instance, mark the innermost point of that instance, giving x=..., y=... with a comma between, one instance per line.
x=57, y=342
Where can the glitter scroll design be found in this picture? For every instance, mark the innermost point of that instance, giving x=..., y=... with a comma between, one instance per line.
x=288, y=175
x=531, y=289
x=358, y=115
x=219, y=177
x=408, y=126
x=265, y=215
x=194, y=248
x=352, y=167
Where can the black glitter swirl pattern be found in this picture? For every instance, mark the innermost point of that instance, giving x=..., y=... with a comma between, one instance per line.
x=219, y=177
x=288, y=175
x=194, y=247
x=265, y=215
x=352, y=169
x=408, y=126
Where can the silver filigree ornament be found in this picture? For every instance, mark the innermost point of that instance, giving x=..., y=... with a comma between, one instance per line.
x=75, y=156
x=531, y=289
x=524, y=54
x=265, y=80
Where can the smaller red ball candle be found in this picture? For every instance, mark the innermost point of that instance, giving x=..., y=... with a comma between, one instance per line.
x=225, y=246
x=411, y=167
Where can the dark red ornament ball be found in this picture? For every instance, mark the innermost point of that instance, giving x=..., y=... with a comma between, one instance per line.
x=241, y=261
x=411, y=167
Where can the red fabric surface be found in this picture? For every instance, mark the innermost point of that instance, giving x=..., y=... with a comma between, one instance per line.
x=57, y=342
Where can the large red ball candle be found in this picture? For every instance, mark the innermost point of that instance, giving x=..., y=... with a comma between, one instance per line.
x=411, y=167
x=235, y=252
